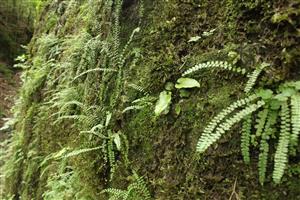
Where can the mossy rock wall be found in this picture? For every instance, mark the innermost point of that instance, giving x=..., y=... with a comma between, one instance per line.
x=72, y=37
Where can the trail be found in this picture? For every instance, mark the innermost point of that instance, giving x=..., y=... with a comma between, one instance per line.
x=9, y=84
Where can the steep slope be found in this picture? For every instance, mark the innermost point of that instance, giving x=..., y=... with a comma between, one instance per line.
x=85, y=120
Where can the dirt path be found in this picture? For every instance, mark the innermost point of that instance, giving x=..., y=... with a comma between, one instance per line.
x=9, y=85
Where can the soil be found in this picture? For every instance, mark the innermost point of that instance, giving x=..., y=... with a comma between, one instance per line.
x=8, y=89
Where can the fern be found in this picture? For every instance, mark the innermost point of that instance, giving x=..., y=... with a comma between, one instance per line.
x=137, y=87
x=260, y=121
x=207, y=140
x=245, y=139
x=264, y=146
x=94, y=70
x=115, y=194
x=281, y=154
x=253, y=77
x=295, y=119
x=80, y=151
x=134, y=107
x=136, y=190
x=214, y=64
x=141, y=187
x=111, y=157
x=223, y=114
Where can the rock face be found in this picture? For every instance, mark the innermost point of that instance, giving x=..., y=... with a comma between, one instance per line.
x=85, y=119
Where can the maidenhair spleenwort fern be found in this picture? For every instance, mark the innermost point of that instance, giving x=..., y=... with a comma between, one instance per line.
x=286, y=102
x=208, y=138
x=135, y=191
x=245, y=139
x=264, y=145
x=214, y=64
x=281, y=154
x=253, y=77
x=261, y=121
x=295, y=119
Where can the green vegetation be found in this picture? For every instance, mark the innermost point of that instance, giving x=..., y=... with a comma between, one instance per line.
x=120, y=102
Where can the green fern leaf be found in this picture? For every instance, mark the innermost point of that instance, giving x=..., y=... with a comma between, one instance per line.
x=206, y=140
x=264, y=146
x=224, y=113
x=295, y=119
x=260, y=121
x=94, y=70
x=214, y=64
x=80, y=151
x=245, y=139
x=281, y=154
x=253, y=77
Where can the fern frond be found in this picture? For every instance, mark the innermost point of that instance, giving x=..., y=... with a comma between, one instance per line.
x=135, y=107
x=224, y=113
x=115, y=194
x=111, y=157
x=264, y=145
x=295, y=119
x=253, y=77
x=281, y=154
x=206, y=140
x=80, y=151
x=260, y=121
x=137, y=87
x=214, y=64
x=125, y=48
x=94, y=70
x=245, y=139
x=141, y=187
x=74, y=117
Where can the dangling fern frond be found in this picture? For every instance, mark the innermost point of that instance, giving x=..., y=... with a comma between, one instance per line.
x=224, y=113
x=260, y=121
x=253, y=77
x=281, y=154
x=245, y=139
x=295, y=119
x=206, y=140
x=264, y=145
x=214, y=64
